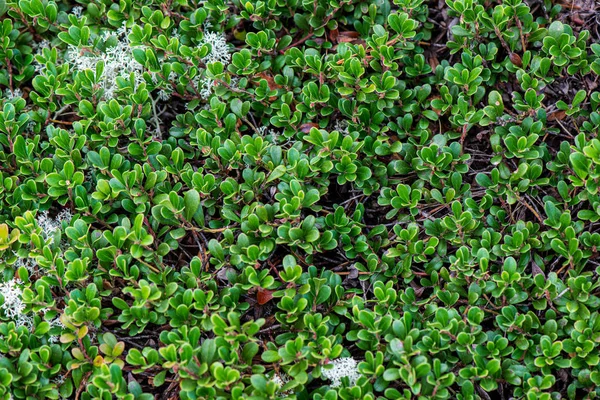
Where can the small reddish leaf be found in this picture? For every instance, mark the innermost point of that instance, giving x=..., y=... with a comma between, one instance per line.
x=263, y=296
x=270, y=81
x=305, y=128
x=433, y=62
x=333, y=35
x=576, y=18
x=516, y=59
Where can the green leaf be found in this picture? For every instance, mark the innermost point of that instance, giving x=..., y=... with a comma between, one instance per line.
x=581, y=164
x=270, y=356
x=391, y=374
x=191, y=200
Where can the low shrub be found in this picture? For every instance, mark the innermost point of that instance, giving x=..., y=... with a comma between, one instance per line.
x=299, y=199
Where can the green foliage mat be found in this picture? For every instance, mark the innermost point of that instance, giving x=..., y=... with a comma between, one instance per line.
x=299, y=199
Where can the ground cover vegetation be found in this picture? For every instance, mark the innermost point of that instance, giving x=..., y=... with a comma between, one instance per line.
x=302, y=199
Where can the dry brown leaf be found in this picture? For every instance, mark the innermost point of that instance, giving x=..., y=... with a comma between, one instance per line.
x=536, y=270
x=305, y=128
x=558, y=115
x=333, y=35
x=347, y=37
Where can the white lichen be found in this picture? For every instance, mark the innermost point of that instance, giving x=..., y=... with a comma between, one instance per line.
x=65, y=215
x=24, y=320
x=39, y=60
x=118, y=61
x=269, y=134
x=346, y=367
x=77, y=11
x=204, y=86
x=14, y=94
x=219, y=52
x=164, y=95
x=29, y=263
x=280, y=380
x=51, y=225
x=55, y=323
x=341, y=126
x=13, y=307
x=219, y=49
x=41, y=45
